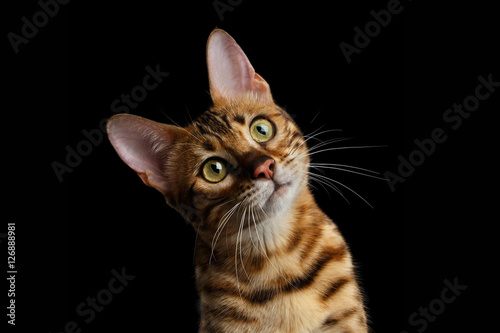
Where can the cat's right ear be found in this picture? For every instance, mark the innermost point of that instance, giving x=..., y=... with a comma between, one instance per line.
x=230, y=73
x=144, y=146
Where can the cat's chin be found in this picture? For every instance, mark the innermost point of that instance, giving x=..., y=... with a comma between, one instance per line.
x=279, y=191
x=281, y=197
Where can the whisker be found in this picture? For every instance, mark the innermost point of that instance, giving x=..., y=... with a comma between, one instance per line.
x=189, y=114
x=238, y=240
x=221, y=225
x=320, y=179
x=185, y=130
x=314, y=133
x=310, y=136
x=242, y=223
x=313, y=137
x=352, y=191
x=321, y=144
x=346, y=166
x=250, y=227
x=343, y=185
x=327, y=142
x=338, y=148
x=347, y=170
x=317, y=114
x=316, y=130
x=225, y=218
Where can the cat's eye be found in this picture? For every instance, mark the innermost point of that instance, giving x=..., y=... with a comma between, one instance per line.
x=261, y=130
x=214, y=170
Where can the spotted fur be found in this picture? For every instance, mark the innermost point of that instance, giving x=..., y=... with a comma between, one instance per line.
x=267, y=259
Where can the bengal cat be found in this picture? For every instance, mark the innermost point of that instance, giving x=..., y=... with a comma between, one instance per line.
x=267, y=259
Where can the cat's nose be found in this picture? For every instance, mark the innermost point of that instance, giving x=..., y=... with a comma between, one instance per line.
x=264, y=170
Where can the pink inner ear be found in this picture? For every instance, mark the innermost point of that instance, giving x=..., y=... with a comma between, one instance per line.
x=231, y=74
x=141, y=144
x=133, y=143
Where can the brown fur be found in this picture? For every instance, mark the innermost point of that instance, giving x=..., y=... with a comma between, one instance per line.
x=305, y=283
x=284, y=270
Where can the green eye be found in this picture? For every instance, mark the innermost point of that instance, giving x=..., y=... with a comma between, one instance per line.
x=214, y=171
x=262, y=130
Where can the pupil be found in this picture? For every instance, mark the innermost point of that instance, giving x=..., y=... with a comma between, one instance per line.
x=262, y=129
x=216, y=167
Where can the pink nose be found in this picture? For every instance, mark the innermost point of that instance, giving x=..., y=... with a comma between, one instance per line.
x=265, y=170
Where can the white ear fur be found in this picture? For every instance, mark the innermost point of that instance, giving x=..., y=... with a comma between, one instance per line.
x=143, y=145
x=230, y=73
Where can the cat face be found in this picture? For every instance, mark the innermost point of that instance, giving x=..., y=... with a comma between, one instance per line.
x=245, y=155
x=247, y=152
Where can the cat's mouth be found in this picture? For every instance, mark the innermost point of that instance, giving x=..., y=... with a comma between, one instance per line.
x=276, y=192
x=280, y=189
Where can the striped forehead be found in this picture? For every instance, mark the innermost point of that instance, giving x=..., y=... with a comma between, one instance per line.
x=220, y=122
x=226, y=128
x=214, y=124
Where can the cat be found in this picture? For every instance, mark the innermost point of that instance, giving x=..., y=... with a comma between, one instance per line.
x=267, y=259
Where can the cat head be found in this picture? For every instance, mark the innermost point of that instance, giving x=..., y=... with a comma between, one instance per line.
x=244, y=151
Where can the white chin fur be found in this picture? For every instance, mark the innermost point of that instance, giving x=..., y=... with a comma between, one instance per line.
x=275, y=201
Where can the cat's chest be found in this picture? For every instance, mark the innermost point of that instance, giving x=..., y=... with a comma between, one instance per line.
x=287, y=313
x=295, y=299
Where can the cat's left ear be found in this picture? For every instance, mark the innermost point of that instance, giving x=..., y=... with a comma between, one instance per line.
x=230, y=73
x=145, y=146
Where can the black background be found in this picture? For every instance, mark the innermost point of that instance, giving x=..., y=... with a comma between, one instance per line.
x=71, y=234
